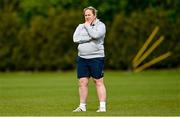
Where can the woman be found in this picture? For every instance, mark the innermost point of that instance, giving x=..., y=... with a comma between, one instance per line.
x=90, y=61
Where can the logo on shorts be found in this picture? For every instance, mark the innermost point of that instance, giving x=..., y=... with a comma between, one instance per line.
x=102, y=73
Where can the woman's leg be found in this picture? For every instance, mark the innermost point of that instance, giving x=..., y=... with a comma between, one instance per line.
x=83, y=89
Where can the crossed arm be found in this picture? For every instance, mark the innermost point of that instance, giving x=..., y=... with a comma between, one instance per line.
x=92, y=33
x=78, y=37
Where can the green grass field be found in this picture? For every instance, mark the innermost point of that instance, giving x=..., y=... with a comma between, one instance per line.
x=56, y=94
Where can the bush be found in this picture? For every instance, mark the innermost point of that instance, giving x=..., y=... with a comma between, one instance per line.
x=128, y=34
x=47, y=44
x=9, y=27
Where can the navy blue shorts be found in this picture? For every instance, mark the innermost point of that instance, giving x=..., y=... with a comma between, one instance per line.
x=90, y=67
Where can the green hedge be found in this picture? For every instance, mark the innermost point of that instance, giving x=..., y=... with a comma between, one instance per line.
x=45, y=43
x=128, y=34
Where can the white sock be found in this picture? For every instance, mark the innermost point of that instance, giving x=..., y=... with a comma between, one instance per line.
x=103, y=104
x=83, y=105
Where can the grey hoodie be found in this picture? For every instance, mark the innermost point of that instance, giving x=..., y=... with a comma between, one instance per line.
x=90, y=39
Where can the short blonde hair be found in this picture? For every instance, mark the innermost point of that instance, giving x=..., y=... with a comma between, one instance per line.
x=94, y=11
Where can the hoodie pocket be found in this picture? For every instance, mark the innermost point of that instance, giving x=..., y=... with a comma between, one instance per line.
x=88, y=48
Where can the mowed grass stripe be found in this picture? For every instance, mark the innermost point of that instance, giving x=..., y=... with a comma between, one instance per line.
x=56, y=93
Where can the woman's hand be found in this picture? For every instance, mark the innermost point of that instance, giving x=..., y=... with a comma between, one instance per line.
x=87, y=22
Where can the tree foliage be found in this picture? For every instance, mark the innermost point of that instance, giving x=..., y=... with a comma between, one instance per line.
x=37, y=34
x=128, y=34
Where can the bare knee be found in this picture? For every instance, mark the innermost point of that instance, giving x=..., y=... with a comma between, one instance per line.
x=99, y=82
x=83, y=82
